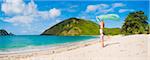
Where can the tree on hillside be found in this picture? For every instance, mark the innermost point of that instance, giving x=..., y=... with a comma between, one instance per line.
x=135, y=23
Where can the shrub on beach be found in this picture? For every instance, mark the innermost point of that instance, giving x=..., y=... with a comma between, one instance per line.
x=135, y=23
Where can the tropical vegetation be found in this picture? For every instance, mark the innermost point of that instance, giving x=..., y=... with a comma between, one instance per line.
x=135, y=23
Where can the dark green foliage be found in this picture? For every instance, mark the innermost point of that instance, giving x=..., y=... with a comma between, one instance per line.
x=135, y=23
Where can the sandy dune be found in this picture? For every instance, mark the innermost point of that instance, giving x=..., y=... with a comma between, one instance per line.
x=133, y=47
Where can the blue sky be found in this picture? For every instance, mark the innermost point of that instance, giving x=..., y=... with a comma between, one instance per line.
x=30, y=17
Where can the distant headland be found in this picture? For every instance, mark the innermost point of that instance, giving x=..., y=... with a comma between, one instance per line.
x=4, y=32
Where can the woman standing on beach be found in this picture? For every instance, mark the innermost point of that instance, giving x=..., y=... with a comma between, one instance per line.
x=101, y=32
x=101, y=26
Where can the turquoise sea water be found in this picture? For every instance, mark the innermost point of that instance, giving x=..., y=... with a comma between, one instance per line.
x=20, y=41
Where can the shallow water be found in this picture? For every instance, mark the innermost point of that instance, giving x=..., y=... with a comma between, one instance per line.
x=21, y=41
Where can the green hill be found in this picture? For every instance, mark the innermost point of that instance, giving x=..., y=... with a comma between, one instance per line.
x=75, y=26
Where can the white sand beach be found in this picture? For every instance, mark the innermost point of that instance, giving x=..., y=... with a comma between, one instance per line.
x=132, y=47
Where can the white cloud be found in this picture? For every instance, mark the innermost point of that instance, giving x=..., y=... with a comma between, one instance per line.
x=24, y=31
x=125, y=10
x=114, y=5
x=43, y=14
x=26, y=13
x=103, y=8
x=91, y=8
x=16, y=7
x=31, y=8
x=118, y=5
x=54, y=12
x=13, y=6
x=19, y=19
x=71, y=8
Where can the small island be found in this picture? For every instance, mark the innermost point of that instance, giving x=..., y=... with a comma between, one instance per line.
x=4, y=32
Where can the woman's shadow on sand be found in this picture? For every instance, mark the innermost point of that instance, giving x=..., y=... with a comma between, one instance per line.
x=109, y=44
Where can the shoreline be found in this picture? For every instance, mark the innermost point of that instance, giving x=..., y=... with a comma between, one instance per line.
x=43, y=49
x=118, y=39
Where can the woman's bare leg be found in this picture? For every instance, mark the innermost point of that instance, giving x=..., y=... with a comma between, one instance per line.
x=102, y=40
